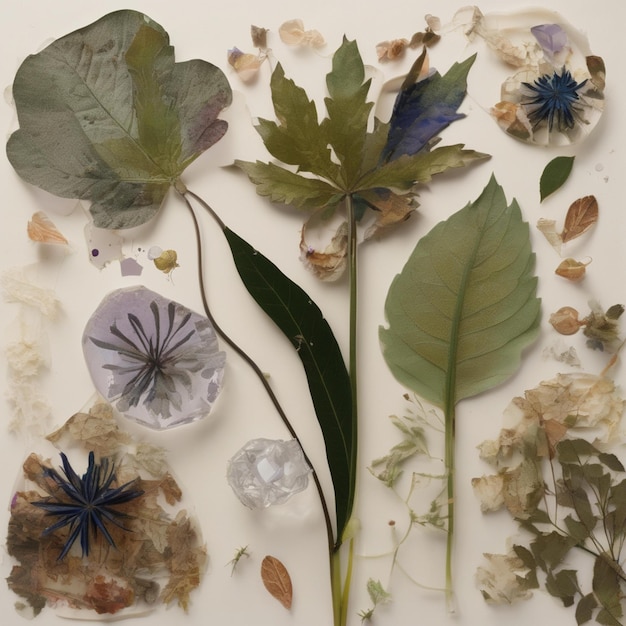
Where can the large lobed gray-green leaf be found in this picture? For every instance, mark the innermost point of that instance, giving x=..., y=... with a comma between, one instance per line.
x=106, y=115
x=465, y=305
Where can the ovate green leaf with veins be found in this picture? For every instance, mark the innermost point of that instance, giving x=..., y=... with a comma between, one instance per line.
x=106, y=115
x=463, y=309
x=464, y=306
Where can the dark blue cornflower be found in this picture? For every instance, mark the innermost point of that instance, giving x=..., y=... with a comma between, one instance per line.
x=84, y=504
x=554, y=98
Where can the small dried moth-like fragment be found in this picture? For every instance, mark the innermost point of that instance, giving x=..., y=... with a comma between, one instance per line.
x=571, y=269
x=565, y=321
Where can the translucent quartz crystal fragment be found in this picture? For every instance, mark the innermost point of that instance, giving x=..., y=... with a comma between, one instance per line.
x=267, y=471
x=154, y=359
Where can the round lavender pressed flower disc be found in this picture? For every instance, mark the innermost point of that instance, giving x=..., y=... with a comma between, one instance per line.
x=153, y=358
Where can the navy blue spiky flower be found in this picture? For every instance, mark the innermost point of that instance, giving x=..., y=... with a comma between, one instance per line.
x=86, y=504
x=554, y=98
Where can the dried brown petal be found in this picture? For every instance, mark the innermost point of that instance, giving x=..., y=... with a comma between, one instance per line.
x=572, y=269
x=41, y=229
x=581, y=216
x=565, y=321
x=390, y=50
x=277, y=580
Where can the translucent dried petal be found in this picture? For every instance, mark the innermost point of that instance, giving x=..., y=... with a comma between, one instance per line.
x=501, y=579
x=156, y=360
x=548, y=228
x=390, y=50
x=293, y=33
x=488, y=489
x=245, y=64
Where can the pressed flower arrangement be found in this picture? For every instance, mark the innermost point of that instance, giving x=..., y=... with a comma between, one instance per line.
x=141, y=122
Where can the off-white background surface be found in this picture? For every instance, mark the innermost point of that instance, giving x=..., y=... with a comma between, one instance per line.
x=198, y=453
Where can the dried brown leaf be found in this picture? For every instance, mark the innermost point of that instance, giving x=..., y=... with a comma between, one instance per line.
x=41, y=229
x=277, y=580
x=581, y=216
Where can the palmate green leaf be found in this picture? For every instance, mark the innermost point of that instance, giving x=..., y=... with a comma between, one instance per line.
x=342, y=149
x=403, y=172
x=106, y=115
x=303, y=324
x=280, y=185
x=464, y=306
x=298, y=138
x=348, y=110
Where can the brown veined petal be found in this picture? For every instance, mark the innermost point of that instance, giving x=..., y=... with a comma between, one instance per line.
x=581, y=216
x=277, y=580
x=41, y=229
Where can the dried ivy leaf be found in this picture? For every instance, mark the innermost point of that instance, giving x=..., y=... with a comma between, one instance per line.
x=554, y=175
x=581, y=216
x=277, y=580
x=106, y=115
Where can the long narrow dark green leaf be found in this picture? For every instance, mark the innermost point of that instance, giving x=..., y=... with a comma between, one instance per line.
x=303, y=324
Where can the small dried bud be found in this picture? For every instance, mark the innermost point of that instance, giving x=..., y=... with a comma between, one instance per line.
x=571, y=269
x=565, y=321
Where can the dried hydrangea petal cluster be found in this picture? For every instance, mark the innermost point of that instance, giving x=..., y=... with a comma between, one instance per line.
x=266, y=472
x=156, y=360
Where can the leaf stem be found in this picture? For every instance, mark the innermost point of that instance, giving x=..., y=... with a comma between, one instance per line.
x=450, y=415
x=247, y=359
